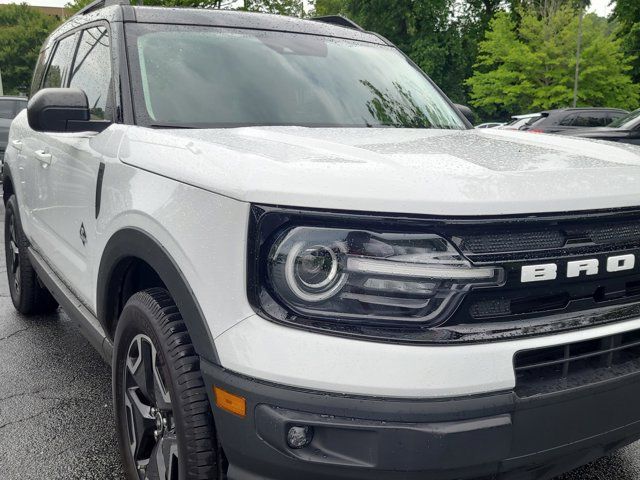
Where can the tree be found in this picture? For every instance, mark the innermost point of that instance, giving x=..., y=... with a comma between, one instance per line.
x=441, y=36
x=293, y=8
x=282, y=7
x=627, y=14
x=530, y=66
x=22, y=32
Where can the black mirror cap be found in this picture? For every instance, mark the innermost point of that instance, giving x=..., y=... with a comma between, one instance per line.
x=467, y=112
x=58, y=110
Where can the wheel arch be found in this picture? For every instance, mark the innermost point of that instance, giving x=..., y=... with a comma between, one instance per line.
x=131, y=246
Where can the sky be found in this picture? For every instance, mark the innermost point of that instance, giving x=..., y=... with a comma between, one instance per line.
x=601, y=7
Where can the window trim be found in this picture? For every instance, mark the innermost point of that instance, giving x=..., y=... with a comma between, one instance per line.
x=116, y=107
x=54, y=50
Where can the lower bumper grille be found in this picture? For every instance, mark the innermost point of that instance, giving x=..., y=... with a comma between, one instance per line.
x=564, y=367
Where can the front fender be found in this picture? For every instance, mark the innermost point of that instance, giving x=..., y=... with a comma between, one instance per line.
x=132, y=242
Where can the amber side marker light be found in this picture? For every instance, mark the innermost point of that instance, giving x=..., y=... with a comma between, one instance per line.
x=230, y=402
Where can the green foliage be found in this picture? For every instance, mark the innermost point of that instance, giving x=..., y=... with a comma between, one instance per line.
x=627, y=14
x=529, y=66
x=441, y=36
x=330, y=7
x=281, y=7
x=293, y=8
x=22, y=32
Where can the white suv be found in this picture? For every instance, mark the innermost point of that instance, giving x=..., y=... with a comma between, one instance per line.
x=303, y=263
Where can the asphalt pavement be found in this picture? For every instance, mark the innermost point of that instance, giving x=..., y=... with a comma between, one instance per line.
x=56, y=420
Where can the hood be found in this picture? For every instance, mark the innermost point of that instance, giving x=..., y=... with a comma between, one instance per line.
x=434, y=172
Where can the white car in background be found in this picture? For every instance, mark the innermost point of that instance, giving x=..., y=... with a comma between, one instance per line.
x=520, y=121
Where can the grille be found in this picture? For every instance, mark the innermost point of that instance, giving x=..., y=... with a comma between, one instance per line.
x=550, y=302
x=616, y=233
x=514, y=242
x=551, y=239
x=564, y=367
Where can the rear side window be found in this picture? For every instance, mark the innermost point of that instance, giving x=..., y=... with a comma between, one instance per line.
x=616, y=115
x=92, y=71
x=60, y=63
x=591, y=119
x=569, y=120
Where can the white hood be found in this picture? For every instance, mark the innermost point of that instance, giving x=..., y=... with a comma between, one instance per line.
x=436, y=172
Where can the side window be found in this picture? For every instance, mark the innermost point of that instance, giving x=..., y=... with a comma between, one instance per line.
x=7, y=109
x=591, y=119
x=603, y=119
x=568, y=121
x=20, y=105
x=92, y=72
x=60, y=63
x=615, y=116
x=39, y=71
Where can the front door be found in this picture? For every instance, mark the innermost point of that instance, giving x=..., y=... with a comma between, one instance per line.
x=68, y=170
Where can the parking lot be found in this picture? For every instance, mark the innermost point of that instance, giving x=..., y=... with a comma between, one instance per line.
x=55, y=405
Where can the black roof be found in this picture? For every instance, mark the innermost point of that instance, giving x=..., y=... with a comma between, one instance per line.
x=218, y=18
x=255, y=21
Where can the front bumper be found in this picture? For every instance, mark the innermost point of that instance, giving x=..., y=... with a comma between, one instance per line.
x=485, y=436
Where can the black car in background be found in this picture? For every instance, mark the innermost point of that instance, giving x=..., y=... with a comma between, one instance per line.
x=9, y=108
x=625, y=130
x=555, y=121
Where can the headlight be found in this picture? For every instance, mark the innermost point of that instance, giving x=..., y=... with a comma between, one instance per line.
x=370, y=276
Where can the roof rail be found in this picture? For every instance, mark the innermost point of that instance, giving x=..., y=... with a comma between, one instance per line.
x=338, y=20
x=98, y=4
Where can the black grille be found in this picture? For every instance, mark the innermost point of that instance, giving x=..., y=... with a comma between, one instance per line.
x=564, y=367
x=517, y=239
x=514, y=242
x=615, y=233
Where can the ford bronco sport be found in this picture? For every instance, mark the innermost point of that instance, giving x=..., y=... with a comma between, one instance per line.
x=303, y=263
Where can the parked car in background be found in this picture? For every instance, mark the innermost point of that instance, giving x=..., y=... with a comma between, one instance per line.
x=491, y=125
x=9, y=108
x=520, y=121
x=625, y=129
x=563, y=119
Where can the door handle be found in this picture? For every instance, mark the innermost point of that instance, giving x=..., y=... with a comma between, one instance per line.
x=17, y=144
x=43, y=157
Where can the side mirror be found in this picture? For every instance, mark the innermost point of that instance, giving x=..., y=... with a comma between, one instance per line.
x=467, y=112
x=62, y=110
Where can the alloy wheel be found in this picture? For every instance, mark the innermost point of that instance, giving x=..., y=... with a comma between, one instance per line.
x=14, y=255
x=153, y=442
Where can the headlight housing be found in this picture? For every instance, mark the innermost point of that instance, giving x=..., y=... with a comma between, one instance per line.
x=365, y=276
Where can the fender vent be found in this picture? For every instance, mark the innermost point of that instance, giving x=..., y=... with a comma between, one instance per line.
x=563, y=367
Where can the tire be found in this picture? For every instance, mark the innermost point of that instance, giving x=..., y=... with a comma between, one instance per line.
x=159, y=395
x=28, y=295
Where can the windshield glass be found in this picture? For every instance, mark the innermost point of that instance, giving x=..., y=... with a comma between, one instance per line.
x=213, y=77
x=628, y=121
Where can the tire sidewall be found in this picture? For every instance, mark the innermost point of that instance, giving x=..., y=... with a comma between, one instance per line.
x=11, y=215
x=134, y=320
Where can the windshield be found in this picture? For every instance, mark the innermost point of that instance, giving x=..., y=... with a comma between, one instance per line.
x=213, y=77
x=628, y=121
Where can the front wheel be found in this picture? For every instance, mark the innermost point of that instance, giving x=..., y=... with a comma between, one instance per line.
x=164, y=421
